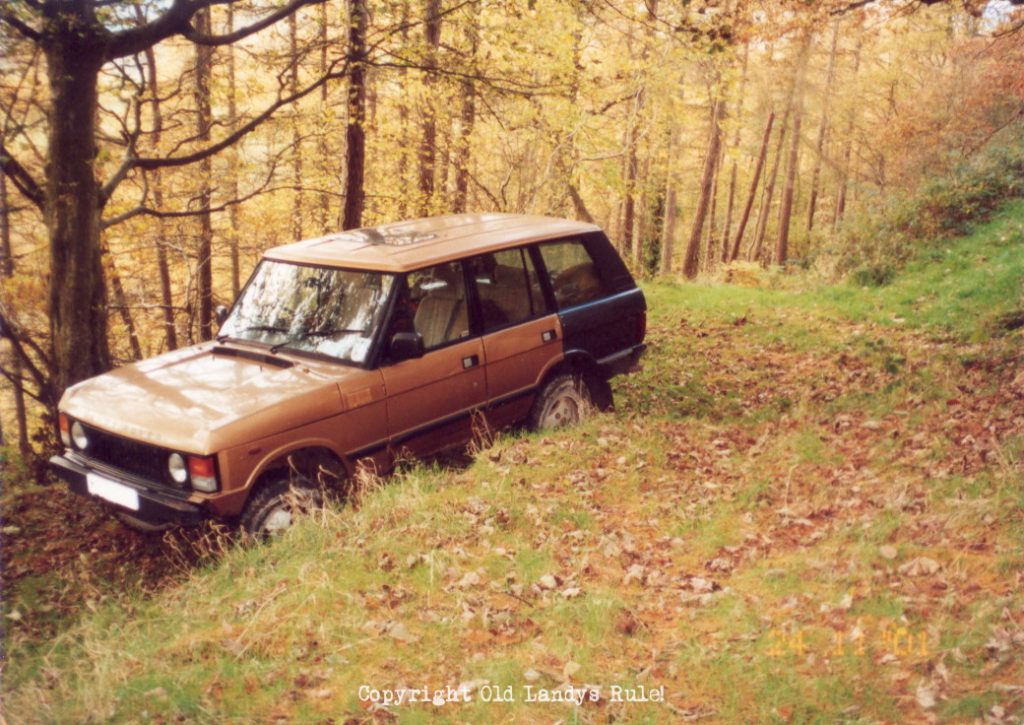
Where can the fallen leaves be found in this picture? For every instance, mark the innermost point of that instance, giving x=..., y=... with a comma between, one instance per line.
x=926, y=694
x=672, y=536
x=920, y=566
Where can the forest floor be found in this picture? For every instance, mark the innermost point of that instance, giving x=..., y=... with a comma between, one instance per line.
x=809, y=506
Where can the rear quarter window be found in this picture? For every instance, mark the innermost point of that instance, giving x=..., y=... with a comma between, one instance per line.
x=575, y=278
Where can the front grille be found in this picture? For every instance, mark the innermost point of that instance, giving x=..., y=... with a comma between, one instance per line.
x=135, y=458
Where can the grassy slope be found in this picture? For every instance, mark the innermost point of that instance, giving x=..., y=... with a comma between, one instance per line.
x=808, y=507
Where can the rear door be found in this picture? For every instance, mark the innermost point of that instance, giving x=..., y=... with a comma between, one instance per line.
x=602, y=311
x=431, y=400
x=521, y=335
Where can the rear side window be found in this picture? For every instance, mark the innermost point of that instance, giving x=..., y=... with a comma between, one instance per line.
x=573, y=274
x=507, y=286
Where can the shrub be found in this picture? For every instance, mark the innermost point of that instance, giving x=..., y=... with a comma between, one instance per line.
x=873, y=275
x=874, y=243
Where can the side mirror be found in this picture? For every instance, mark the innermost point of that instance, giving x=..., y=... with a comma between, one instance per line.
x=220, y=314
x=405, y=346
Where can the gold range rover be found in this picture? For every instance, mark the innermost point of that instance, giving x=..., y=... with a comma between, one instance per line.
x=358, y=348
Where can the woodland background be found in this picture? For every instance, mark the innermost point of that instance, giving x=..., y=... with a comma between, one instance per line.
x=152, y=150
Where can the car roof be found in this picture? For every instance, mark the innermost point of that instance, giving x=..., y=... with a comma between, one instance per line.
x=409, y=245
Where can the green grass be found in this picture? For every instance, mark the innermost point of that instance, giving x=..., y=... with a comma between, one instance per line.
x=960, y=287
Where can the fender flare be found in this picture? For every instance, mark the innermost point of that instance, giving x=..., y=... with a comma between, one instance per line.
x=271, y=460
x=582, y=362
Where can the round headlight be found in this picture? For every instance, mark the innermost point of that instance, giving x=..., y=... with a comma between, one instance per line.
x=78, y=436
x=177, y=468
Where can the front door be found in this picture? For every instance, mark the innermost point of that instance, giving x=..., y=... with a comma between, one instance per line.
x=431, y=399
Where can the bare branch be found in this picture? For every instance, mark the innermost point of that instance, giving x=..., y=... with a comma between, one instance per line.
x=18, y=381
x=19, y=340
x=16, y=92
x=251, y=125
x=131, y=137
x=501, y=85
x=173, y=22
x=494, y=200
x=149, y=211
x=24, y=182
x=7, y=16
x=161, y=214
x=229, y=38
x=177, y=20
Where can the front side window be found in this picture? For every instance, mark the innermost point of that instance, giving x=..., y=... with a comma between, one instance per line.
x=574, y=277
x=433, y=303
x=322, y=310
x=507, y=286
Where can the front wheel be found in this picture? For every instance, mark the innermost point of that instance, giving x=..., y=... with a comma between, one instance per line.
x=274, y=508
x=564, y=401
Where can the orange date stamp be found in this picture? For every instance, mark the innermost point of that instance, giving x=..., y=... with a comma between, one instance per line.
x=884, y=638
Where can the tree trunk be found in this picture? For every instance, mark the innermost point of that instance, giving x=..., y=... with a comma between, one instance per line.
x=6, y=254
x=736, y=145
x=444, y=162
x=232, y=186
x=769, y=191
x=812, y=202
x=428, y=141
x=707, y=179
x=467, y=117
x=629, y=201
x=7, y=270
x=711, y=255
x=78, y=298
x=568, y=159
x=123, y=311
x=640, y=130
x=323, y=150
x=404, y=144
x=157, y=187
x=668, y=227
x=204, y=121
x=293, y=88
x=793, y=162
x=752, y=195
x=844, y=176
x=644, y=217
x=786, y=208
x=355, y=133
x=668, y=231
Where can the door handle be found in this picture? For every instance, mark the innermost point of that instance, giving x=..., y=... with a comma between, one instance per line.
x=548, y=335
x=470, y=362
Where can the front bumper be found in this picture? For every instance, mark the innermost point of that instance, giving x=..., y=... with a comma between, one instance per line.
x=154, y=506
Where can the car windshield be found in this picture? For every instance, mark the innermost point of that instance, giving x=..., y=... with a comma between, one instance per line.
x=321, y=310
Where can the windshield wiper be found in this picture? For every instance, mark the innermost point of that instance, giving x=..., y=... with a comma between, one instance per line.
x=317, y=333
x=255, y=328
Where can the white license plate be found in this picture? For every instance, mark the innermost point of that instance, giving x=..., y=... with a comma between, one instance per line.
x=112, y=491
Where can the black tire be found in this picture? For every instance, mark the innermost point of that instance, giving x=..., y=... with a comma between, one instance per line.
x=564, y=401
x=273, y=508
x=141, y=525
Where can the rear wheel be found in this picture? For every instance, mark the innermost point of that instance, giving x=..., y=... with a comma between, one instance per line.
x=564, y=401
x=275, y=507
